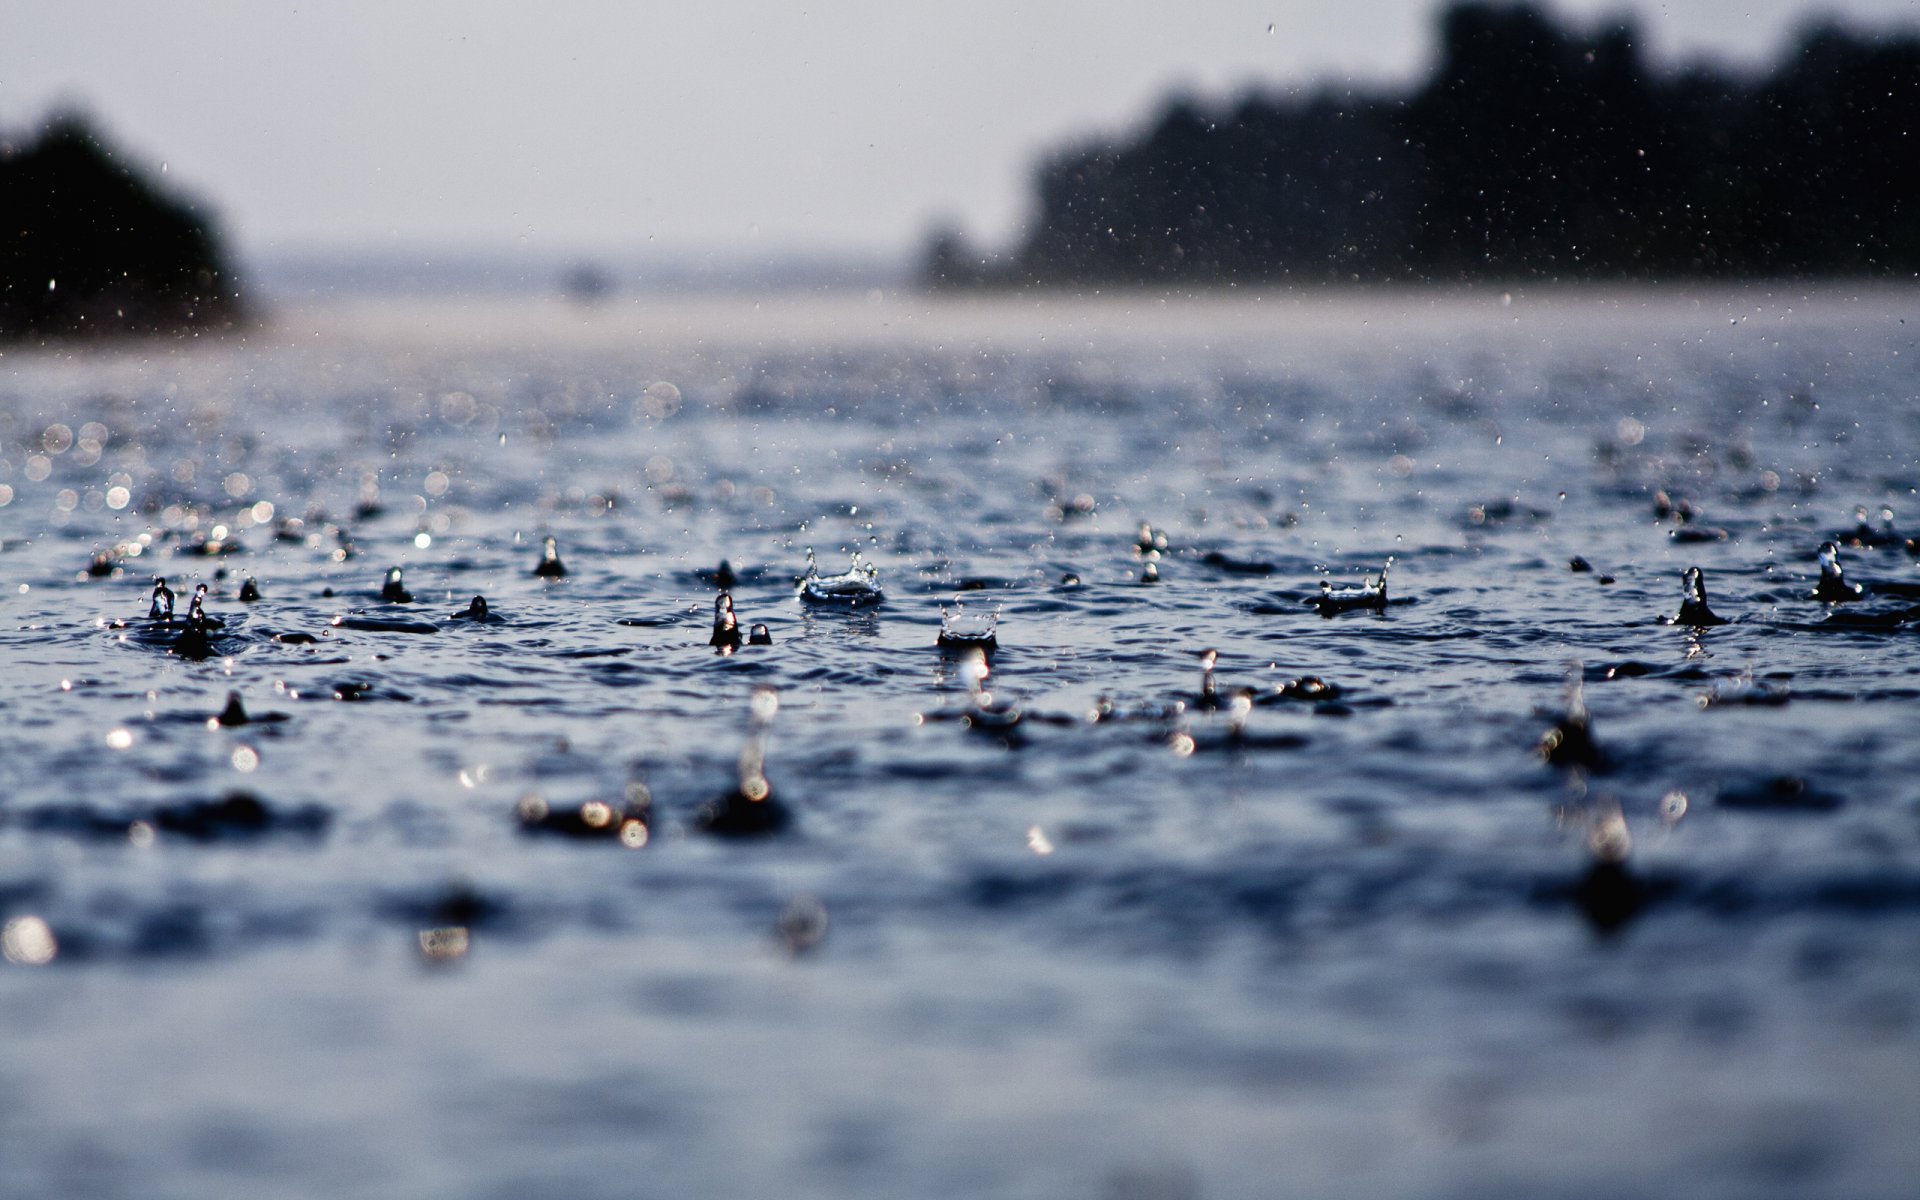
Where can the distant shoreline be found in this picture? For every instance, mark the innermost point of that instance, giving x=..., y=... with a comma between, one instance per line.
x=1534, y=152
x=1081, y=328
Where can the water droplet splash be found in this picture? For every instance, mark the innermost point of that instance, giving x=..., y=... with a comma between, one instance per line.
x=477, y=611
x=961, y=629
x=1370, y=595
x=1744, y=689
x=858, y=586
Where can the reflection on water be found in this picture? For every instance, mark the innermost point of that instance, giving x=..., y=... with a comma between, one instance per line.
x=1184, y=874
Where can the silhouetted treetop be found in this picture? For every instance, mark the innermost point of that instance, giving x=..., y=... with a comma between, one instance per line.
x=1533, y=150
x=88, y=247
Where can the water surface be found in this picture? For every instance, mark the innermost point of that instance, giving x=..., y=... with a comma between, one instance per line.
x=1348, y=952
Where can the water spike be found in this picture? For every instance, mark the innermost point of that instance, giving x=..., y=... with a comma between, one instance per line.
x=235, y=713
x=550, y=566
x=1833, y=587
x=394, y=589
x=726, y=625
x=1569, y=743
x=161, y=606
x=1693, y=602
x=1208, y=659
x=759, y=635
x=195, y=641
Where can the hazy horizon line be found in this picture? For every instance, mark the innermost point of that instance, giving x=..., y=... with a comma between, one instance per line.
x=494, y=268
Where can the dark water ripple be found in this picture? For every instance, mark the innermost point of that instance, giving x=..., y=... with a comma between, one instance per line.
x=1352, y=941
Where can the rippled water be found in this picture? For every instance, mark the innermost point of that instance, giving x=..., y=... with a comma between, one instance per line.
x=1360, y=947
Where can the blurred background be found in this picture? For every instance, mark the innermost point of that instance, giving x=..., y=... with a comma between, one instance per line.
x=466, y=144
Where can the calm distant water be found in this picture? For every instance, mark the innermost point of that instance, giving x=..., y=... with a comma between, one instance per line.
x=1360, y=949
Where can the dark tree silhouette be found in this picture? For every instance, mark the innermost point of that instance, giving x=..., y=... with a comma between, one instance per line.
x=90, y=248
x=1532, y=151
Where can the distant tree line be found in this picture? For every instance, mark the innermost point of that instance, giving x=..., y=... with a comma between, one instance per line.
x=1533, y=152
x=89, y=247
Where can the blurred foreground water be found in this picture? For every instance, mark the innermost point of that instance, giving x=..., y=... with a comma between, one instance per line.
x=1074, y=925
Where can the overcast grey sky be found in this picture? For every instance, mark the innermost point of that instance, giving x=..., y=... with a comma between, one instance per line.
x=738, y=126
